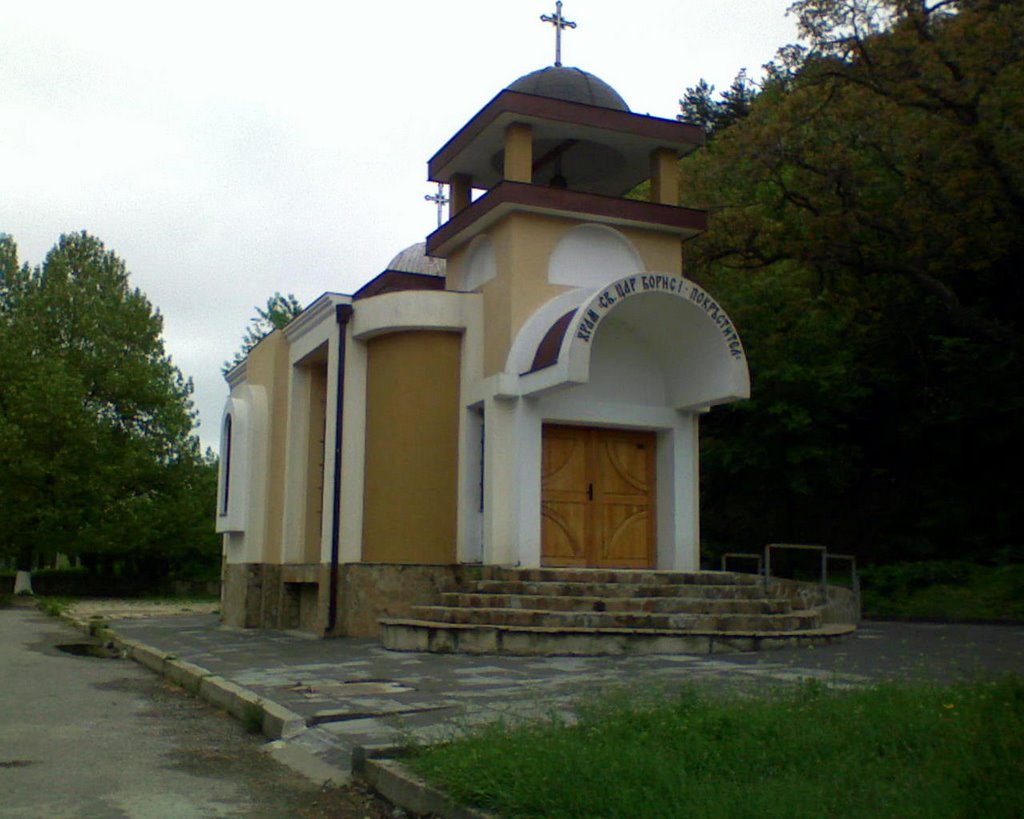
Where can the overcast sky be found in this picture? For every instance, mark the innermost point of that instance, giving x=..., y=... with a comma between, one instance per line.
x=227, y=150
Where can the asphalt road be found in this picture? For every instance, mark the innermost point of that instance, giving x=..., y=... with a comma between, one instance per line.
x=82, y=736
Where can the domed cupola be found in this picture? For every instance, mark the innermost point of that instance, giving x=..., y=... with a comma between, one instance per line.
x=409, y=269
x=562, y=143
x=569, y=84
x=414, y=259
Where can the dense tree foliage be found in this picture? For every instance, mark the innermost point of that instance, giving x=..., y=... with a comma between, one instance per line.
x=699, y=106
x=97, y=457
x=278, y=311
x=867, y=235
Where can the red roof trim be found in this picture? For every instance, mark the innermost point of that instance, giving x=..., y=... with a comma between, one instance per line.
x=668, y=131
x=572, y=204
x=392, y=281
x=551, y=344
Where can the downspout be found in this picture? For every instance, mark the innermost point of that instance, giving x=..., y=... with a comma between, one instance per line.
x=342, y=312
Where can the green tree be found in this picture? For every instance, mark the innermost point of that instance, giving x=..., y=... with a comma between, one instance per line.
x=699, y=107
x=278, y=311
x=96, y=446
x=867, y=235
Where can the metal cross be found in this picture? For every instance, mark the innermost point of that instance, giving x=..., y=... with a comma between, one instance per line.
x=440, y=199
x=559, y=22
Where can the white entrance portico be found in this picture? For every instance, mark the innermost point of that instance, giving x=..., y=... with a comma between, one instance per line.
x=645, y=352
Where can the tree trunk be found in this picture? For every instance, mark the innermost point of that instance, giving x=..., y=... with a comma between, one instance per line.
x=23, y=579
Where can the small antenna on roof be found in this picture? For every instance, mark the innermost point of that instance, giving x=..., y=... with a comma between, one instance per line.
x=559, y=22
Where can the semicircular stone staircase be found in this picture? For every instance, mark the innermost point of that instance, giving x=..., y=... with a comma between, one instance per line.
x=594, y=611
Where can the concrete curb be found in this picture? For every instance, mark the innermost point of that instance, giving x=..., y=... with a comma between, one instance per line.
x=400, y=786
x=275, y=721
x=374, y=765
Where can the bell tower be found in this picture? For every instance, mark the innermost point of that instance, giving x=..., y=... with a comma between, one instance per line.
x=556, y=150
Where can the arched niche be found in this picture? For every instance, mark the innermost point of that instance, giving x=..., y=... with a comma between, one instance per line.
x=481, y=265
x=243, y=430
x=590, y=255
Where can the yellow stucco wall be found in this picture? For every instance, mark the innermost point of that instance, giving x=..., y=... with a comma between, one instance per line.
x=412, y=422
x=268, y=367
x=523, y=243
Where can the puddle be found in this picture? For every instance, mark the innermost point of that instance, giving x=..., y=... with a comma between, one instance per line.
x=90, y=650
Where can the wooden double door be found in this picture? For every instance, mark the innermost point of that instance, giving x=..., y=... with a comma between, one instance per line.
x=597, y=497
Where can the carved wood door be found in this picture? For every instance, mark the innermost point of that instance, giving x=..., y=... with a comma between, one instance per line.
x=597, y=497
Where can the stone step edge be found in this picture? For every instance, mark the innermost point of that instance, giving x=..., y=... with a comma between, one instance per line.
x=811, y=612
x=827, y=630
x=653, y=589
x=591, y=599
x=696, y=578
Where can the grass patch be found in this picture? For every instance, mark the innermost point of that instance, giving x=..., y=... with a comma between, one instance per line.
x=945, y=590
x=54, y=606
x=252, y=718
x=908, y=750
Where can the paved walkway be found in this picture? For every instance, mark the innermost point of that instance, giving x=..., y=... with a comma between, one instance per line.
x=352, y=692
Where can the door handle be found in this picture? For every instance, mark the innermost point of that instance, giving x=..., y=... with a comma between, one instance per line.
x=590, y=491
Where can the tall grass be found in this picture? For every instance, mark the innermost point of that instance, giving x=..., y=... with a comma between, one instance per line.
x=894, y=750
x=944, y=589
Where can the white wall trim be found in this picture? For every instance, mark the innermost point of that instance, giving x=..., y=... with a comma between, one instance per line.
x=245, y=520
x=411, y=310
x=524, y=345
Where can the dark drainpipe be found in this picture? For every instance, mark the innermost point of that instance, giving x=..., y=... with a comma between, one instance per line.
x=343, y=312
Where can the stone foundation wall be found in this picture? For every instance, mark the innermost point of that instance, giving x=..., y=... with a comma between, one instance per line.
x=297, y=596
x=843, y=606
x=241, y=594
x=267, y=595
x=369, y=591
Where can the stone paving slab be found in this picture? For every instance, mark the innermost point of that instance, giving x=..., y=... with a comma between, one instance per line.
x=351, y=692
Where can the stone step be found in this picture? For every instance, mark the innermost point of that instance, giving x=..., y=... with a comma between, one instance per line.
x=662, y=605
x=545, y=588
x=630, y=620
x=423, y=635
x=647, y=577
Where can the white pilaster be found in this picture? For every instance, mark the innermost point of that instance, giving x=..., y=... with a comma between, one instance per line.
x=678, y=504
x=511, y=483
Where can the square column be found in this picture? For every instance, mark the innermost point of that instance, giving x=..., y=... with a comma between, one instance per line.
x=678, y=496
x=512, y=448
x=519, y=153
x=664, y=177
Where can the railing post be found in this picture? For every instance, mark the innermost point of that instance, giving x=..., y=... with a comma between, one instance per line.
x=824, y=577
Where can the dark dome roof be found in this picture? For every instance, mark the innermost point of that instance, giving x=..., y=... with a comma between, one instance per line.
x=570, y=84
x=414, y=259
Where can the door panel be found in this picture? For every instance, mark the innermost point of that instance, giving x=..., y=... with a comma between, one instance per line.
x=564, y=513
x=597, y=497
x=624, y=497
x=625, y=543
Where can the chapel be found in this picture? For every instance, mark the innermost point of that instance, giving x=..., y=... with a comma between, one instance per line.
x=521, y=389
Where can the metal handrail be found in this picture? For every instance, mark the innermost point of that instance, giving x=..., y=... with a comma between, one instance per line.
x=854, y=577
x=825, y=558
x=824, y=563
x=746, y=556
